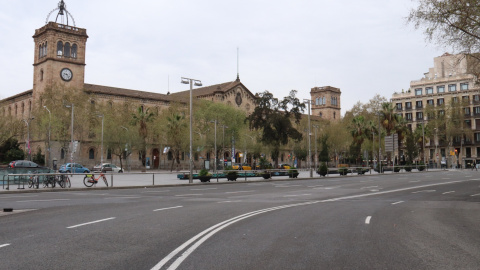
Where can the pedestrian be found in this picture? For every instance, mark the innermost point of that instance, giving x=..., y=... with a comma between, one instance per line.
x=474, y=165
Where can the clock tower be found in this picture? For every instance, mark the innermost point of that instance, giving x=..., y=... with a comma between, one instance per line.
x=59, y=53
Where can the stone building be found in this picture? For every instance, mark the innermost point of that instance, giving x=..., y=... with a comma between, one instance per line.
x=60, y=59
x=451, y=78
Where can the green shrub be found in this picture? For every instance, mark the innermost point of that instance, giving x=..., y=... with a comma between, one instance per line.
x=203, y=172
x=231, y=171
x=343, y=171
x=421, y=166
x=396, y=169
x=408, y=168
x=322, y=169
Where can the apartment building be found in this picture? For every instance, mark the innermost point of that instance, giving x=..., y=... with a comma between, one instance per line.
x=451, y=78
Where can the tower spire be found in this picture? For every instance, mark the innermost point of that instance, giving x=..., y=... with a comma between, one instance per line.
x=62, y=13
x=238, y=72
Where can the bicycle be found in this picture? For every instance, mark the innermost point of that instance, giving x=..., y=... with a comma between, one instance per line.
x=33, y=181
x=90, y=180
x=63, y=180
x=49, y=180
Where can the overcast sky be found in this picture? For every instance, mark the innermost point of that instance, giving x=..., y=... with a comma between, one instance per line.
x=362, y=47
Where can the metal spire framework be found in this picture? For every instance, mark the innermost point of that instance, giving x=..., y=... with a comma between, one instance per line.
x=62, y=13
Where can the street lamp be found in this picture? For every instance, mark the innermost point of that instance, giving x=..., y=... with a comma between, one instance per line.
x=49, y=131
x=223, y=142
x=316, y=155
x=126, y=151
x=27, y=123
x=101, y=159
x=197, y=83
x=309, y=133
x=436, y=144
x=71, y=153
x=215, y=163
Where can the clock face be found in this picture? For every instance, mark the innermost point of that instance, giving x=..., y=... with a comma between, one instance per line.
x=66, y=74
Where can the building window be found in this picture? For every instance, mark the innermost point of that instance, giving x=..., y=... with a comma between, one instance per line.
x=419, y=116
x=59, y=49
x=418, y=92
x=40, y=51
x=441, y=89
x=430, y=102
x=476, y=98
x=440, y=101
x=476, y=110
x=62, y=153
x=468, y=124
x=91, y=154
x=408, y=105
x=74, y=51
x=441, y=112
x=455, y=99
x=66, y=50
x=41, y=75
x=408, y=116
x=464, y=86
x=477, y=139
x=320, y=114
x=399, y=106
x=334, y=114
x=452, y=87
x=467, y=111
x=45, y=49
x=419, y=104
x=429, y=90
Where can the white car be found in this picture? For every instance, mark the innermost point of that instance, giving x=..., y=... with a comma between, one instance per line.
x=107, y=167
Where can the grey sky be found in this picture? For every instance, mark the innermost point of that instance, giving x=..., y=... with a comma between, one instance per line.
x=362, y=47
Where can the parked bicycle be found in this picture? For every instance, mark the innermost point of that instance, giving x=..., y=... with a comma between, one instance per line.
x=33, y=181
x=49, y=180
x=90, y=180
x=63, y=180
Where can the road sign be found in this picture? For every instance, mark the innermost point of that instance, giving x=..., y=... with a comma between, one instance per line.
x=389, y=140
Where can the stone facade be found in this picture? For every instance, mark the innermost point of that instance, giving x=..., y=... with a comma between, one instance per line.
x=326, y=102
x=450, y=78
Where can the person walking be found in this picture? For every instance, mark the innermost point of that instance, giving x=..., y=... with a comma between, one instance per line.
x=474, y=166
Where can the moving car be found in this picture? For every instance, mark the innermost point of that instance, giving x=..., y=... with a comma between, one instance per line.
x=107, y=167
x=77, y=168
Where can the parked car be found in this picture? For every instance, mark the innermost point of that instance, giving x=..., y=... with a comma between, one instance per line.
x=107, y=167
x=77, y=168
x=23, y=164
x=285, y=166
x=238, y=166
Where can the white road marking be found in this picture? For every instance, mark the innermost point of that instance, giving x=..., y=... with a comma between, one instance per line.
x=88, y=223
x=398, y=202
x=8, y=197
x=424, y=191
x=296, y=195
x=374, y=190
x=233, y=192
x=125, y=197
x=161, y=209
x=204, y=235
x=228, y=201
x=182, y=195
x=475, y=195
x=332, y=187
x=202, y=188
x=52, y=200
x=4, y=245
x=156, y=191
x=448, y=192
x=367, y=220
x=316, y=186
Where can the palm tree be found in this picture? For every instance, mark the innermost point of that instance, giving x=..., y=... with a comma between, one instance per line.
x=141, y=118
x=174, y=128
x=358, y=132
x=389, y=117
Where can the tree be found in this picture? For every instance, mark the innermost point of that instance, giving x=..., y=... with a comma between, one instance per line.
x=449, y=23
x=140, y=119
x=275, y=117
x=323, y=156
x=175, y=128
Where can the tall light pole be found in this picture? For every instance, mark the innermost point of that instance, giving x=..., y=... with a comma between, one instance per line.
x=223, y=142
x=423, y=145
x=215, y=163
x=126, y=149
x=436, y=144
x=101, y=159
x=309, y=133
x=316, y=155
x=49, y=131
x=71, y=153
x=197, y=83
x=27, y=123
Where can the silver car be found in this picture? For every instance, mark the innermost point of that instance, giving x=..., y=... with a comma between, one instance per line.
x=107, y=167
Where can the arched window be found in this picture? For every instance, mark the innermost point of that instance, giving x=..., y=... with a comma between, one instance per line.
x=66, y=50
x=334, y=114
x=62, y=153
x=30, y=106
x=59, y=49
x=23, y=108
x=91, y=154
x=74, y=51
x=40, y=51
x=41, y=75
x=45, y=49
x=324, y=101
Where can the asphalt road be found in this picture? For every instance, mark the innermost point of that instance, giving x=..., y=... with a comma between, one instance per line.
x=400, y=221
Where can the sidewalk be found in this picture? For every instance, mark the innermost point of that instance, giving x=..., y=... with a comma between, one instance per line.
x=162, y=178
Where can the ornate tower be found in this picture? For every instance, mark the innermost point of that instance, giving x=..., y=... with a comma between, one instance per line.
x=59, y=53
x=326, y=102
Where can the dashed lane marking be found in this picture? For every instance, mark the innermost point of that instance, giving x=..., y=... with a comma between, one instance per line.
x=286, y=196
x=88, y=223
x=397, y=202
x=4, y=245
x=367, y=220
x=168, y=208
x=187, y=195
x=234, y=192
x=424, y=191
x=448, y=192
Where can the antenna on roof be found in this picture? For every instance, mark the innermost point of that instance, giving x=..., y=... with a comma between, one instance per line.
x=168, y=85
x=238, y=72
